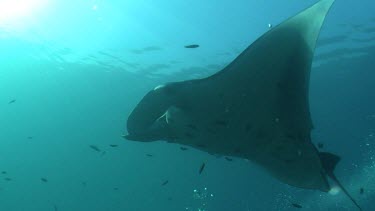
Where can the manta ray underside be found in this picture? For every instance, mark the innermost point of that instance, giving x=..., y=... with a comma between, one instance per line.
x=255, y=108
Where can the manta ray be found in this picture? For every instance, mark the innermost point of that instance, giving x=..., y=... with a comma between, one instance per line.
x=256, y=108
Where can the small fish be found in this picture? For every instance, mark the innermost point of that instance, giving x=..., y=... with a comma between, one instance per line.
x=189, y=135
x=248, y=127
x=237, y=150
x=149, y=155
x=4, y=172
x=113, y=145
x=269, y=25
x=8, y=179
x=296, y=205
x=30, y=137
x=211, y=130
x=361, y=190
x=164, y=183
x=202, y=168
x=12, y=101
x=95, y=148
x=192, y=46
x=320, y=145
x=183, y=148
x=201, y=145
x=228, y=159
x=43, y=179
x=84, y=184
x=221, y=123
x=55, y=207
x=191, y=126
x=115, y=188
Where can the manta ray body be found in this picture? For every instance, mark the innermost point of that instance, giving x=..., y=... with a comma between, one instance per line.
x=256, y=108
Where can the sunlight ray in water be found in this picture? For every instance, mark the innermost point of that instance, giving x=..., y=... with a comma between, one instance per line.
x=16, y=11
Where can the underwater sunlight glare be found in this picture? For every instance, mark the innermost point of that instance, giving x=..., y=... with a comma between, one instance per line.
x=18, y=10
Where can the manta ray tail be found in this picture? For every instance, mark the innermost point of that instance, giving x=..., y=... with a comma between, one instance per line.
x=329, y=162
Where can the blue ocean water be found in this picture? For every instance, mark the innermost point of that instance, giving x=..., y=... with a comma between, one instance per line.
x=72, y=71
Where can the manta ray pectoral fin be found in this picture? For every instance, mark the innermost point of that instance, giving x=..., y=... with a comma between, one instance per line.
x=329, y=162
x=309, y=27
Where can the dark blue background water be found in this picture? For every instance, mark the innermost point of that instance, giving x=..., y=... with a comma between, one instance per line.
x=76, y=69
